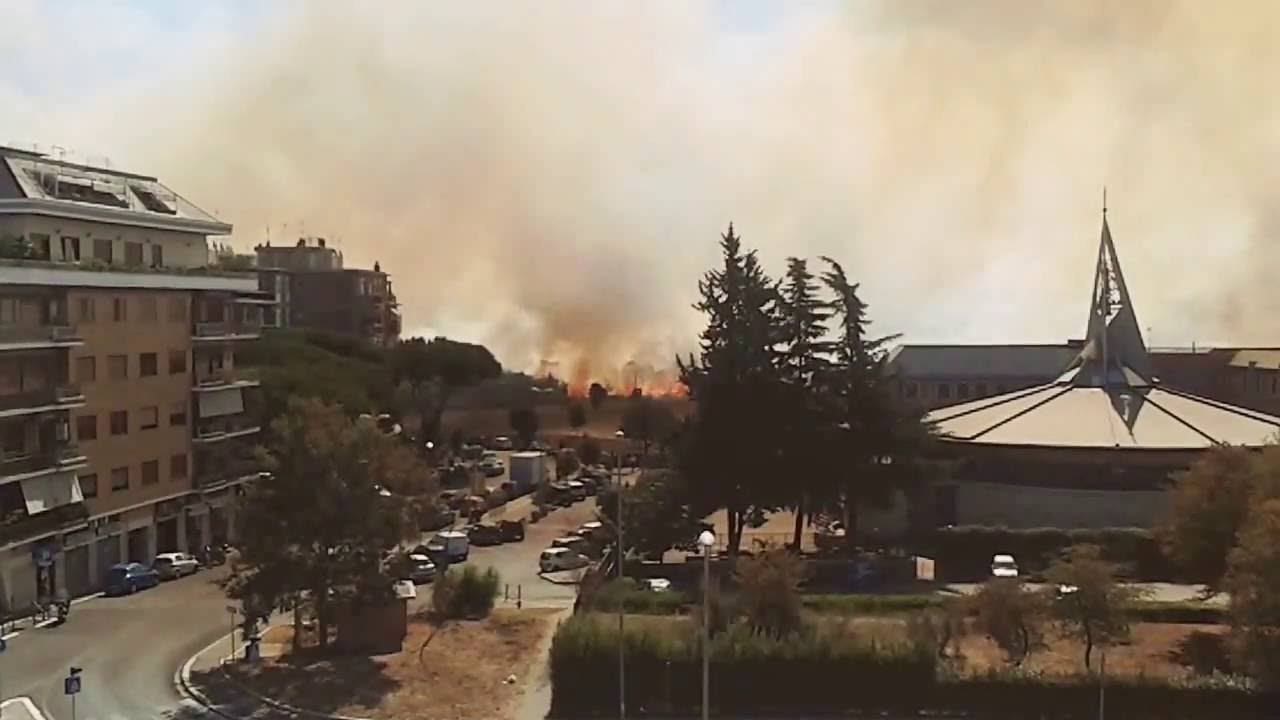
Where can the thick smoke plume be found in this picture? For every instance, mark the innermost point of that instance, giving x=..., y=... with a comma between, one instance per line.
x=550, y=178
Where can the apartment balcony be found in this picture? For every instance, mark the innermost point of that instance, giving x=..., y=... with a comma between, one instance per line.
x=221, y=429
x=226, y=379
x=24, y=466
x=38, y=337
x=226, y=464
x=46, y=399
x=226, y=331
x=18, y=525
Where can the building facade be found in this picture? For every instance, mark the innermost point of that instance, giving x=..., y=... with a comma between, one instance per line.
x=123, y=415
x=311, y=289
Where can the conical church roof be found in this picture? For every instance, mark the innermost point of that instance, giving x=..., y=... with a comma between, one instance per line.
x=1107, y=397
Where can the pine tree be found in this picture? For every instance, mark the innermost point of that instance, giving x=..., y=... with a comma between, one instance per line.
x=731, y=453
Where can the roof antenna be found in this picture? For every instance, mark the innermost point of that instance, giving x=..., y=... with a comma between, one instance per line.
x=1104, y=199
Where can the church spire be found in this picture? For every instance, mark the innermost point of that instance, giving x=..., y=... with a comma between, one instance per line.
x=1114, y=352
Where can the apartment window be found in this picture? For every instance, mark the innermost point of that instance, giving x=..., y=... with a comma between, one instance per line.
x=119, y=422
x=85, y=309
x=13, y=440
x=102, y=250
x=8, y=311
x=119, y=309
x=148, y=365
x=86, y=428
x=150, y=418
x=157, y=256
x=89, y=486
x=177, y=309
x=86, y=369
x=148, y=309
x=944, y=391
x=133, y=254
x=982, y=390
x=71, y=250
x=40, y=246
x=117, y=367
x=151, y=472
x=962, y=390
x=178, y=466
x=178, y=414
x=120, y=478
x=177, y=362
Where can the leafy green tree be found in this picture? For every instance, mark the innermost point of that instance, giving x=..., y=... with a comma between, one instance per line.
x=648, y=420
x=1211, y=501
x=657, y=512
x=434, y=370
x=597, y=394
x=577, y=416
x=805, y=359
x=1253, y=581
x=730, y=449
x=1091, y=605
x=1012, y=616
x=310, y=364
x=327, y=520
x=524, y=422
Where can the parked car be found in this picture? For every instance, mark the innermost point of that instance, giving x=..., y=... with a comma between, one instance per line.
x=129, y=578
x=590, y=530
x=435, y=553
x=211, y=555
x=1004, y=566
x=658, y=584
x=452, y=544
x=511, y=530
x=502, y=442
x=559, y=558
x=419, y=569
x=171, y=566
x=484, y=534
x=577, y=490
x=571, y=542
x=492, y=466
x=437, y=518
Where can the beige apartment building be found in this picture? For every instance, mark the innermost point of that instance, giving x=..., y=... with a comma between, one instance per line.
x=122, y=414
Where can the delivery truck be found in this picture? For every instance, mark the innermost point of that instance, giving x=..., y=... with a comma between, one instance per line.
x=528, y=470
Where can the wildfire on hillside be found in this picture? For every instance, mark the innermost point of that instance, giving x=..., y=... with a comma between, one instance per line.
x=651, y=382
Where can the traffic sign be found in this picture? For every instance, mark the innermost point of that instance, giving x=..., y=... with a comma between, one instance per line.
x=71, y=684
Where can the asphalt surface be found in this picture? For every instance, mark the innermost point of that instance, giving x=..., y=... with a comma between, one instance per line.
x=128, y=649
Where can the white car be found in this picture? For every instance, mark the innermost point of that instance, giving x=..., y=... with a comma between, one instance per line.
x=170, y=566
x=560, y=558
x=1004, y=566
x=589, y=530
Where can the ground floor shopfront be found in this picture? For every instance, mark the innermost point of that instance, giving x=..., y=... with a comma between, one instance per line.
x=76, y=561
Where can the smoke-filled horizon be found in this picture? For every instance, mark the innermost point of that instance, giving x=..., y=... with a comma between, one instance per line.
x=551, y=179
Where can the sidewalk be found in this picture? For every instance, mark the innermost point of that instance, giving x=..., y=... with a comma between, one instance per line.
x=202, y=679
x=20, y=708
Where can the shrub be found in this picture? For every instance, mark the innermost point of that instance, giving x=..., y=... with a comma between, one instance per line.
x=938, y=629
x=769, y=585
x=871, y=604
x=964, y=553
x=634, y=599
x=1012, y=616
x=468, y=594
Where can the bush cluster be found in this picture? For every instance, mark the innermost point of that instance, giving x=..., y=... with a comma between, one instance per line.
x=963, y=554
x=467, y=594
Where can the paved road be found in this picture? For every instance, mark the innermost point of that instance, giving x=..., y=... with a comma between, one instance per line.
x=1162, y=592
x=128, y=648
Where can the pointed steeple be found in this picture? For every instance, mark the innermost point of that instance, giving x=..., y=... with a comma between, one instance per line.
x=1114, y=352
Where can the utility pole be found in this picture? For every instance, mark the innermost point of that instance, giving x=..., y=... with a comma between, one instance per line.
x=622, y=644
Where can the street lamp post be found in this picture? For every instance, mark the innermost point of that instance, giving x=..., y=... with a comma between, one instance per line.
x=622, y=663
x=706, y=540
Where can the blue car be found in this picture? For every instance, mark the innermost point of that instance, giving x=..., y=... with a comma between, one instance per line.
x=129, y=578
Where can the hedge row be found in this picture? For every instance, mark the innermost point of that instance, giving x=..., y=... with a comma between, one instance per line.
x=963, y=554
x=829, y=672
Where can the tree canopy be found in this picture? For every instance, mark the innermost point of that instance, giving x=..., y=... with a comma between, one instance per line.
x=430, y=371
x=597, y=394
x=325, y=521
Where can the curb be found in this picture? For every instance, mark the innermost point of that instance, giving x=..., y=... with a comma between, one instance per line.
x=26, y=703
x=182, y=682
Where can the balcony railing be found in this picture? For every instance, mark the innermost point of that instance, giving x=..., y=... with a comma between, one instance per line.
x=27, y=463
x=218, y=378
x=52, y=395
x=38, y=334
x=226, y=464
x=214, y=431
x=215, y=330
x=16, y=525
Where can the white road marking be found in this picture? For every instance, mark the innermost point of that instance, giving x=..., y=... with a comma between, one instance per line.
x=27, y=704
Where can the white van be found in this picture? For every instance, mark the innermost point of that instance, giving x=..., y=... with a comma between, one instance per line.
x=1004, y=566
x=452, y=544
x=560, y=558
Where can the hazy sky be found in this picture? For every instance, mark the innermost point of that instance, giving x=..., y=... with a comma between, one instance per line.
x=550, y=177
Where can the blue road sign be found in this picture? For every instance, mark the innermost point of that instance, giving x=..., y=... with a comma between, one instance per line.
x=71, y=685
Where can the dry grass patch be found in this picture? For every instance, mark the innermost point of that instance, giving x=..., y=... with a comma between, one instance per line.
x=460, y=673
